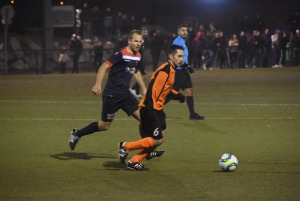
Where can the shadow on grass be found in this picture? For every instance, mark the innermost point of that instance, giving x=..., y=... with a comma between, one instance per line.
x=80, y=156
x=113, y=165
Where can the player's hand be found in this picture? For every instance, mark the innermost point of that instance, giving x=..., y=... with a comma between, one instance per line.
x=96, y=90
x=190, y=69
x=152, y=116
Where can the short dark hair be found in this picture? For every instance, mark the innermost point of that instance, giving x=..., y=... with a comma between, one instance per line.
x=144, y=29
x=173, y=49
x=130, y=36
x=180, y=26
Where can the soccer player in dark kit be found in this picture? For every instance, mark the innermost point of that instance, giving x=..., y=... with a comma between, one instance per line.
x=123, y=65
x=153, y=118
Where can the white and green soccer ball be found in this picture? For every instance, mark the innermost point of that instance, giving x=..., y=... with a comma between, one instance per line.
x=228, y=162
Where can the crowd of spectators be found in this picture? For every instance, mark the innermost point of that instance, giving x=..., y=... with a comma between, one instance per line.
x=254, y=45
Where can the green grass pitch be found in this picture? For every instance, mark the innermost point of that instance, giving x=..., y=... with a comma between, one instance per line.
x=251, y=113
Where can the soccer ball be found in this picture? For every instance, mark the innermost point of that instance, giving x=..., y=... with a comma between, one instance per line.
x=228, y=162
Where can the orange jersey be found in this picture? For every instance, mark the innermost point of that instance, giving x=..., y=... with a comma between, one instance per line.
x=161, y=84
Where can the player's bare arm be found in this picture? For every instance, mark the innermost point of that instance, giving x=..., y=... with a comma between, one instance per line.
x=139, y=78
x=100, y=76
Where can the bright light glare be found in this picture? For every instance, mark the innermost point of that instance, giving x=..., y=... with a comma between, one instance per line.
x=61, y=3
x=12, y=2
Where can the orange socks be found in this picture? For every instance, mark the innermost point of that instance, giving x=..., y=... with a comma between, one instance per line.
x=140, y=144
x=139, y=156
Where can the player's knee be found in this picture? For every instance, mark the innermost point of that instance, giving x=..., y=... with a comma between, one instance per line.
x=158, y=142
x=189, y=92
x=103, y=126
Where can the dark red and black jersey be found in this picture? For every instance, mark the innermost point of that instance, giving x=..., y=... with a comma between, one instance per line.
x=123, y=65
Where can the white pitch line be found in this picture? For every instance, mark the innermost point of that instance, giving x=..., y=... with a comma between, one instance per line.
x=131, y=119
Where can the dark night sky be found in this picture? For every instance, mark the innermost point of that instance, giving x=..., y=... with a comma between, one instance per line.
x=169, y=13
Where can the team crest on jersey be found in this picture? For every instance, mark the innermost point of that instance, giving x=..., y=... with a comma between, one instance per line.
x=130, y=70
x=110, y=116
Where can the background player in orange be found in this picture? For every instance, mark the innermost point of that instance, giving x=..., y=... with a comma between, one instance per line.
x=153, y=118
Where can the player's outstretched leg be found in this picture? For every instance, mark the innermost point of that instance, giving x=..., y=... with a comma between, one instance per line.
x=74, y=139
x=154, y=154
x=122, y=152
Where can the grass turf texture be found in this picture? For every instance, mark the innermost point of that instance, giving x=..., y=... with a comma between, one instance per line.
x=253, y=114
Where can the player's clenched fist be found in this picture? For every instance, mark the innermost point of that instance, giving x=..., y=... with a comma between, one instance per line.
x=96, y=90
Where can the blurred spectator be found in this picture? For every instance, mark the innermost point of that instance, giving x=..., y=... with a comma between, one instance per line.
x=233, y=44
x=283, y=40
x=144, y=22
x=223, y=50
x=120, y=43
x=258, y=23
x=156, y=47
x=266, y=46
x=246, y=26
x=201, y=30
x=124, y=25
x=77, y=21
x=86, y=17
x=75, y=51
x=216, y=44
x=108, y=22
x=96, y=18
x=98, y=52
x=294, y=21
x=252, y=43
x=132, y=23
x=197, y=47
x=62, y=59
x=168, y=42
x=212, y=29
x=276, y=49
x=242, y=50
x=256, y=49
x=207, y=51
x=118, y=24
x=296, y=48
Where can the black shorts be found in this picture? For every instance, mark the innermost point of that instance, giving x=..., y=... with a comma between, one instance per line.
x=153, y=129
x=110, y=105
x=182, y=80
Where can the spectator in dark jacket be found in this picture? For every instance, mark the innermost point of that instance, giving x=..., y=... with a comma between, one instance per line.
x=197, y=47
x=86, y=19
x=266, y=46
x=108, y=22
x=132, y=23
x=156, y=47
x=294, y=21
x=75, y=49
x=98, y=53
x=283, y=40
x=296, y=48
x=252, y=44
x=242, y=50
x=96, y=21
x=207, y=51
